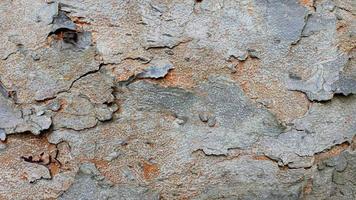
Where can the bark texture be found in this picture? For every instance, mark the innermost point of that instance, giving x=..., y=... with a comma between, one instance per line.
x=178, y=99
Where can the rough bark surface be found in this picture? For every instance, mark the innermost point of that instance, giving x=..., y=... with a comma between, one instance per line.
x=178, y=99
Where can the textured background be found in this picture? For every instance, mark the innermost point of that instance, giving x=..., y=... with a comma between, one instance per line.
x=177, y=99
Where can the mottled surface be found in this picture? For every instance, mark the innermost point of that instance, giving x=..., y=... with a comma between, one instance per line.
x=177, y=99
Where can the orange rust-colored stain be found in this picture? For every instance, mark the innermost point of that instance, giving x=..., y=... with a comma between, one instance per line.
x=184, y=198
x=33, y=146
x=261, y=157
x=308, y=3
x=308, y=188
x=246, y=71
x=249, y=67
x=126, y=69
x=345, y=42
x=54, y=168
x=178, y=78
x=245, y=86
x=58, y=36
x=286, y=105
x=335, y=151
x=63, y=104
x=3, y=198
x=24, y=176
x=341, y=27
x=125, y=75
x=100, y=164
x=79, y=21
x=52, y=149
x=149, y=170
x=284, y=168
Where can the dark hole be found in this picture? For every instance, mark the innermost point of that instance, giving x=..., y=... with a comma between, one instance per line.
x=70, y=36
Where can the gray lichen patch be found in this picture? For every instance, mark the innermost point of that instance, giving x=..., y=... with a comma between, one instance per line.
x=346, y=84
x=321, y=74
x=14, y=119
x=335, y=177
x=33, y=123
x=37, y=74
x=314, y=133
x=78, y=112
x=24, y=23
x=131, y=134
x=97, y=87
x=9, y=115
x=43, y=79
x=260, y=178
x=89, y=101
x=36, y=172
x=159, y=69
x=62, y=22
x=218, y=96
x=66, y=35
x=324, y=81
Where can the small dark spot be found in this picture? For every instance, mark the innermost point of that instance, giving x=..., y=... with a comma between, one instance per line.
x=277, y=41
x=167, y=35
x=124, y=143
x=203, y=117
x=20, y=46
x=27, y=159
x=253, y=53
x=181, y=120
x=41, y=159
x=35, y=56
x=70, y=37
x=149, y=143
x=294, y=76
x=169, y=52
